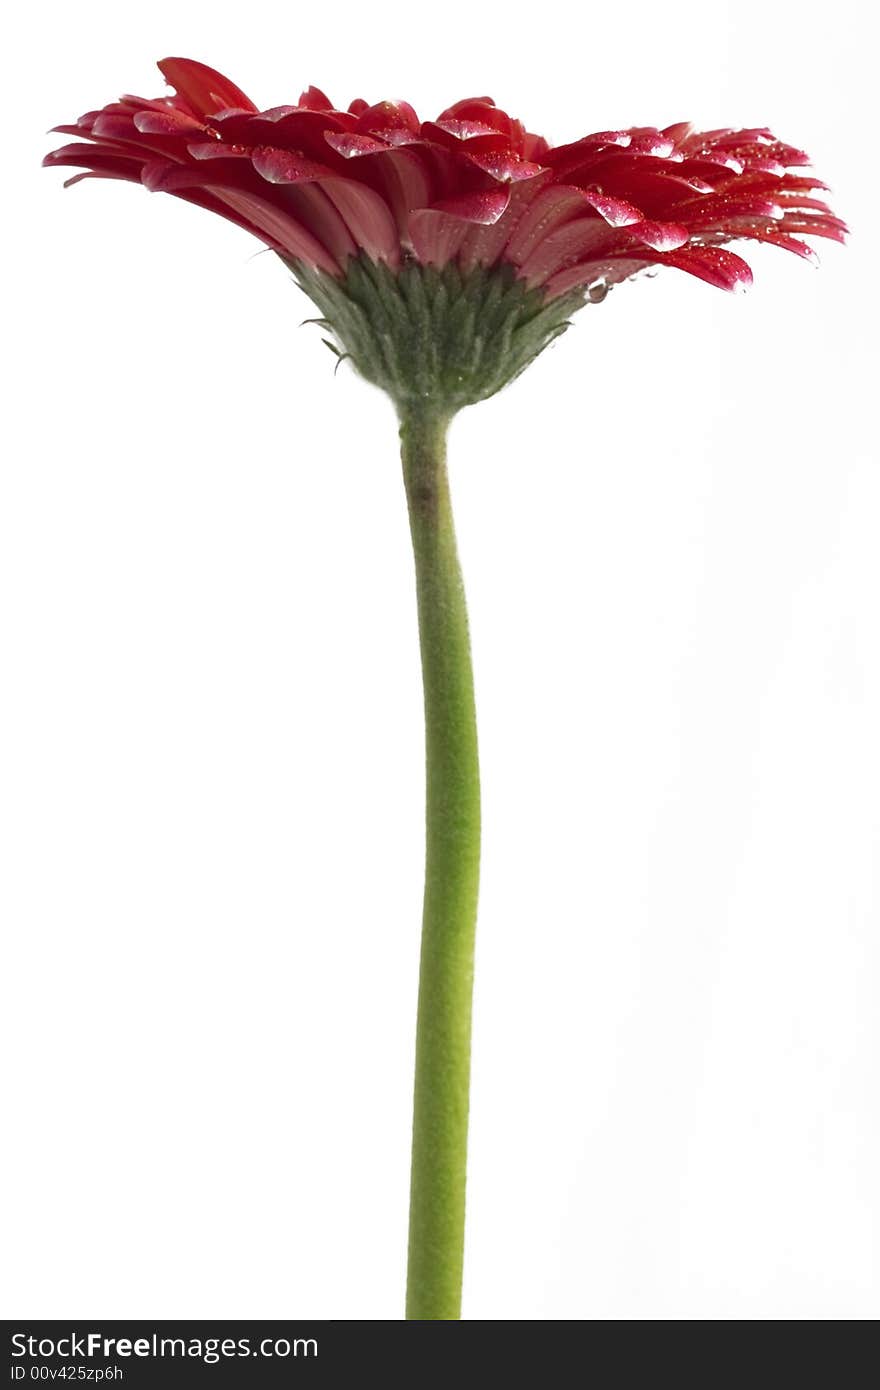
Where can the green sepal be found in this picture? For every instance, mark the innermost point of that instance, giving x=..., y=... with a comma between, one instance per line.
x=446, y=335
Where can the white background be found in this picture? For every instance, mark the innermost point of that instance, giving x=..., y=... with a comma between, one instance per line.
x=211, y=736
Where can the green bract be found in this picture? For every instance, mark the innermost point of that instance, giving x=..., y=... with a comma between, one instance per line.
x=451, y=336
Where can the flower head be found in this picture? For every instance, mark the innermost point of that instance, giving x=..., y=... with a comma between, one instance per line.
x=320, y=185
x=472, y=190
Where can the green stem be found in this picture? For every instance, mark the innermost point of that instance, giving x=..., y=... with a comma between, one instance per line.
x=452, y=864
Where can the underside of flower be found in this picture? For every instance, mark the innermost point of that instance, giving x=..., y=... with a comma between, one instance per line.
x=366, y=194
x=439, y=333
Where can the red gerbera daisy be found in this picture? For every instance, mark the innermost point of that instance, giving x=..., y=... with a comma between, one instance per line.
x=472, y=189
x=444, y=256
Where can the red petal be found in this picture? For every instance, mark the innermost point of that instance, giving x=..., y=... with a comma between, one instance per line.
x=583, y=238
x=281, y=229
x=484, y=245
x=286, y=166
x=806, y=225
x=206, y=91
x=504, y=167
x=718, y=267
x=484, y=113
x=535, y=147
x=109, y=126
x=132, y=103
x=461, y=130
x=436, y=236
x=605, y=273
x=565, y=157
x=216, y=149
x=717, y=209
x=367, y=217
x=406, y=181
x=484, y=207
x=653, y=143
x=98, y=174
x=786, y=243
x=679, y=132
x=660, y=236
x=396, y=121
x=284, y=129
x=803, y=181
x=460, y=147
x=460, y=107
x=97, y=159
x=167, y=122
x=794, y=200
x=311, y=206
x=350, y=145
x=167, y=176
x=550, y=209
x=313, y=99
x=617, y=212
